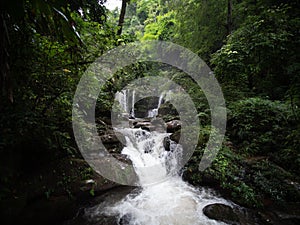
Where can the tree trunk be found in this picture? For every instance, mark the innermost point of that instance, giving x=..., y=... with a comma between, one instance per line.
x=5, y=77
x=229, y=17
x=122, y=16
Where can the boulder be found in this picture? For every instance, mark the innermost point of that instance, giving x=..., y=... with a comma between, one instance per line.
x=167, y=110
x=123, y=158
x=222, y=213
x=112, y=137
x=113, y=141
x=145, y=125
x=237, y=215
x=167, y=143
x=175, y=136
x=173, y=126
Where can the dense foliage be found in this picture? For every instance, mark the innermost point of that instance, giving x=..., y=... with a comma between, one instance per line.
x=252, y=46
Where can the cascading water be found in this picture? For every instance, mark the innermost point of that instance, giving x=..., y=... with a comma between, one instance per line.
x=154, y=112
x=132, y=115
x=151, y=161
x=165, y=199
x=123, y=97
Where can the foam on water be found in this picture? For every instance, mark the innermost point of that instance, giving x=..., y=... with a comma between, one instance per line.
x=172, y=202
x=165, y=199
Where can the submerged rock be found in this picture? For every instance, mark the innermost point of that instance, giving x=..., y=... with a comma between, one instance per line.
x=125, y=220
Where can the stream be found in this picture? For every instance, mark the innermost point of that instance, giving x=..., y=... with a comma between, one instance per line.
x=162, y=197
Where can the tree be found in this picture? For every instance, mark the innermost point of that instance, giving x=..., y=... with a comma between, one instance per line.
x=261, y=52
x=45, y=17
x=201, y=25
x=229, y=17
x=46, y=47
x=162, y=29
x=122, y=16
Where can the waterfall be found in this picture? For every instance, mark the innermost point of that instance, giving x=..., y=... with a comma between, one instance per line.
x=127, y=101
x=132, y=104
x=154, y=112
x=151, y=161
x=165, y=199
x=160, y=100
x=123, y=98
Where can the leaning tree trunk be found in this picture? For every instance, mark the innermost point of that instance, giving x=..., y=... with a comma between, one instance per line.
x=122, y=16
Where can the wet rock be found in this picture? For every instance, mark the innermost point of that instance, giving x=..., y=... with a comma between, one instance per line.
x=237, y=215
x=222, y=213
x=123, y=158
x=175, y=136
x=159, y=124
x=125, y=220
x=288, y=216
x=145, y=125
x=167, y=110
x=167, y=143
x=173, y=126
x=143, y=105
x=112, y=137
x=113, y=141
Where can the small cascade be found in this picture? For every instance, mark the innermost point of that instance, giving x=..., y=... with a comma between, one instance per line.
x=121, y=97
x=132, y=115
x=151, y=161
x=154, y=112
x=125, y=99
x=165, y=199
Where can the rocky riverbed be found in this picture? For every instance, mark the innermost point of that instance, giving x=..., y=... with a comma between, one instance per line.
x=57, y=193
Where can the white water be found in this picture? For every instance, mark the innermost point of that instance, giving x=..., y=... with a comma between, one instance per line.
x=165, y=199
x=123, y=97
x=172, y=202
x=132, y=104
x=150, y=160
x=154, y=112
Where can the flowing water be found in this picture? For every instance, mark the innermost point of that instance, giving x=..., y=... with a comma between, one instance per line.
x=154, y=112
x=126, y=101
x=164, y=198
x=132, y=114
x=122, y=99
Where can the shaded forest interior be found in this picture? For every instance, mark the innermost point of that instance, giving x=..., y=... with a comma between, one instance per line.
x=252, y=46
